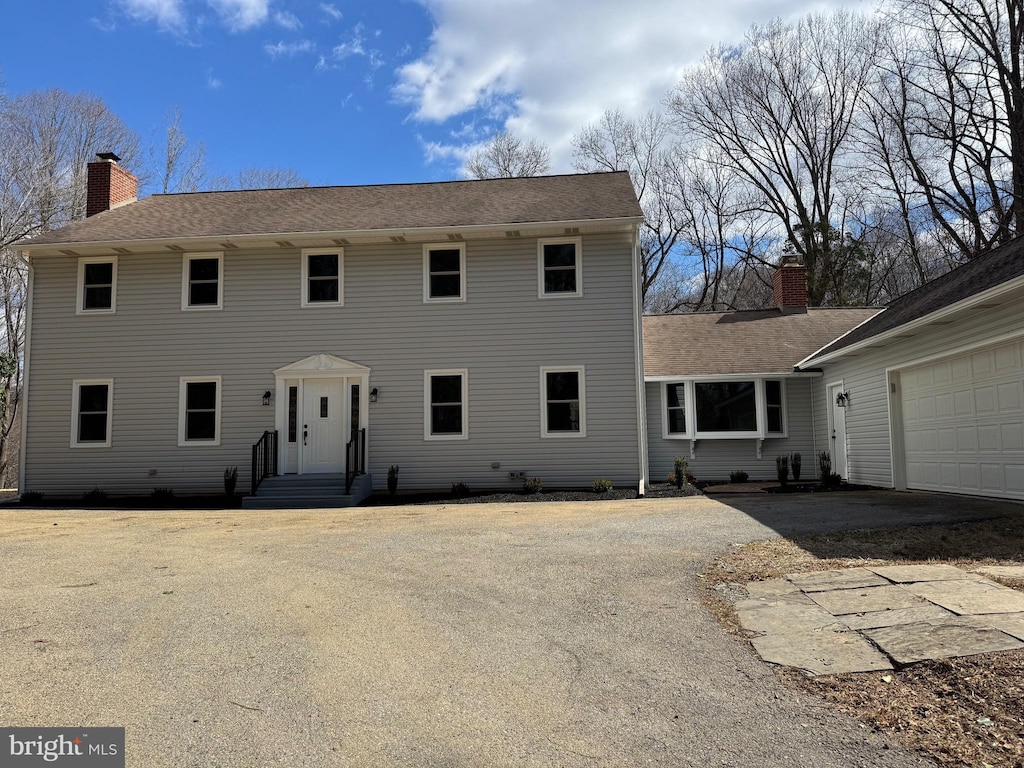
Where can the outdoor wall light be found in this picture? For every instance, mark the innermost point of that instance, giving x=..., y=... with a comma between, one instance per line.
x=373, y=395
x=266, y=397
x=843, y=399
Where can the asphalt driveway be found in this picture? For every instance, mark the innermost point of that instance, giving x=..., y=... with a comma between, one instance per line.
x=467, y=635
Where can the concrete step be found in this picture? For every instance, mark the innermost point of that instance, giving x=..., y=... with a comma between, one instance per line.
x=325, y=491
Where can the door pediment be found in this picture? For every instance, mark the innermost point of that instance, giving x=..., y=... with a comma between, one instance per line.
x=323, y=363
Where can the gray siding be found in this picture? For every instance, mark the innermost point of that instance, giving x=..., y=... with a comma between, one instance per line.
x=715, y=459
x=502, y=334
x=869, y=454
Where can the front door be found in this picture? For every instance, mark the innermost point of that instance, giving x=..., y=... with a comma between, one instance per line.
x=323, y=425
x=838, y=430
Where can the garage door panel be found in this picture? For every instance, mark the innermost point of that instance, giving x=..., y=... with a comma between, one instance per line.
x=963, y=422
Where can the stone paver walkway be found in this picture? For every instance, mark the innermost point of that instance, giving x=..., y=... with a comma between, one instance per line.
x=868, y=619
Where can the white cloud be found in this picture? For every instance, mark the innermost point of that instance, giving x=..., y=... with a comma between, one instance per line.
x=287, y=20
x=240, y=15
x=169, y=15
x=351, y=47
x=289, y=49
x=212, y=81
x=545, y=70
x=331, y=11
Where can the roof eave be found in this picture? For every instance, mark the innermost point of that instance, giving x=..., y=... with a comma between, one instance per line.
x=939, y=314
x=628, y=223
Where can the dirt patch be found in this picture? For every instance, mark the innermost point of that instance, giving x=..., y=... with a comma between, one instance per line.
x=963, y=711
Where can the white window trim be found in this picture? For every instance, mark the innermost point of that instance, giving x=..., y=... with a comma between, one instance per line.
x=427, y=248
x=578, y=241
x=760, y=404
x=76, y=385
x=182, y=401
x=464, y=373
x=581, y=371
x=188, y=257
x=687, y=389
x=80, y=301
x=304, y=286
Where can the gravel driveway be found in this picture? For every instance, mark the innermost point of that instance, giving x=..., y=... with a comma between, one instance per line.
x=468, y=635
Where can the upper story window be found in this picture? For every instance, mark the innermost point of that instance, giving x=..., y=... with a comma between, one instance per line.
x=199, y=411
x=728, y=408
x=202, y=283
x=446, y=404
x=322, y=277
x=97, y=285
x=91, y=413
x=444, y=273
x=563, y=402
x=560, y=266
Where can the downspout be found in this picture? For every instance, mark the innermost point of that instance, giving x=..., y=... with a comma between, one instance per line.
x=641, y=398
x=29, y=288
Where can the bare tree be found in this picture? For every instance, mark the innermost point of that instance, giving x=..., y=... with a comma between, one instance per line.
x=507, y=156
x=778, y=113
x=643, y=147
x=952, y=87
x=178, y=165
x=261, y=178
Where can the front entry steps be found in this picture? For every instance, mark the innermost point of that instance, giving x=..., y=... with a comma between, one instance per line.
x=320, y=491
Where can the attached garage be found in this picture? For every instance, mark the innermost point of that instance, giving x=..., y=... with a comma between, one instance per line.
x=963, y=423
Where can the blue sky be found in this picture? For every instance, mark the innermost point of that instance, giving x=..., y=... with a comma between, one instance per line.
x=368, y=92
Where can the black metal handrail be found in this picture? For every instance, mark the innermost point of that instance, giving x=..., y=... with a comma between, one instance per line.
x=355, y=458
x=264, y=458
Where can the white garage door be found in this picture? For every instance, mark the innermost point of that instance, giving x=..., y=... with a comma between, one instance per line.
x=964, y=423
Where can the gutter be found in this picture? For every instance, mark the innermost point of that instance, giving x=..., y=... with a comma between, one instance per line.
x=920, y=322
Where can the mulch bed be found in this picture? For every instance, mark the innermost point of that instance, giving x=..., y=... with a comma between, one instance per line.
x=655, y=491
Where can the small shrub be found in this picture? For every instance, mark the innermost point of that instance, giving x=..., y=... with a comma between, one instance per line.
x=794, y=463
x=739, y=476
x=95, y=496
x=782, y=469
x=393, y=479
x=603, y=486
x=32, y=497
x=825, y=467
x=691, y=479
x=833, y=480
x=533, y=485
x=162, y=495
x=460, y=490
x=679, y=471
x=230, y=480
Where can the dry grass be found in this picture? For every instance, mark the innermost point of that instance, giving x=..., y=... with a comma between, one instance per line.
x=964, y=711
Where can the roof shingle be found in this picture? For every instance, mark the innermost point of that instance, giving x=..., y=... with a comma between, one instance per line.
x=756, y=341
x=577, y=197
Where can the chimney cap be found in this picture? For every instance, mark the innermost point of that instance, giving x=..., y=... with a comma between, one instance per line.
x=108, y=156
x=791, y=260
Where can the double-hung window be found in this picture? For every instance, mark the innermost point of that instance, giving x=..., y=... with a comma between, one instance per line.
x=563, y=402
x=446, y=404
x=97, y=285
x=323, y=283
x=91, y=401
x=202, y=281
x=199, y=411
x=444, y=273
x=560, y=267
x=723, y=409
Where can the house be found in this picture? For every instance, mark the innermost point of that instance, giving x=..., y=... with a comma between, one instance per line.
x=723, y=390
x=474, y=331
x=929, y=393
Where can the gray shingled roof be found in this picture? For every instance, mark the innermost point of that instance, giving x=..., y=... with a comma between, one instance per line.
x=997, y=266
x=578, y=197
x=757, y=341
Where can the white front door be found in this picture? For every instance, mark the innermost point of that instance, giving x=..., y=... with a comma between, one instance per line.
x=323, y=425
x=837, y=425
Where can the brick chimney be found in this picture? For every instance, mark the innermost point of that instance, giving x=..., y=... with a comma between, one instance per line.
x=110, y=185
x=790, y=285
